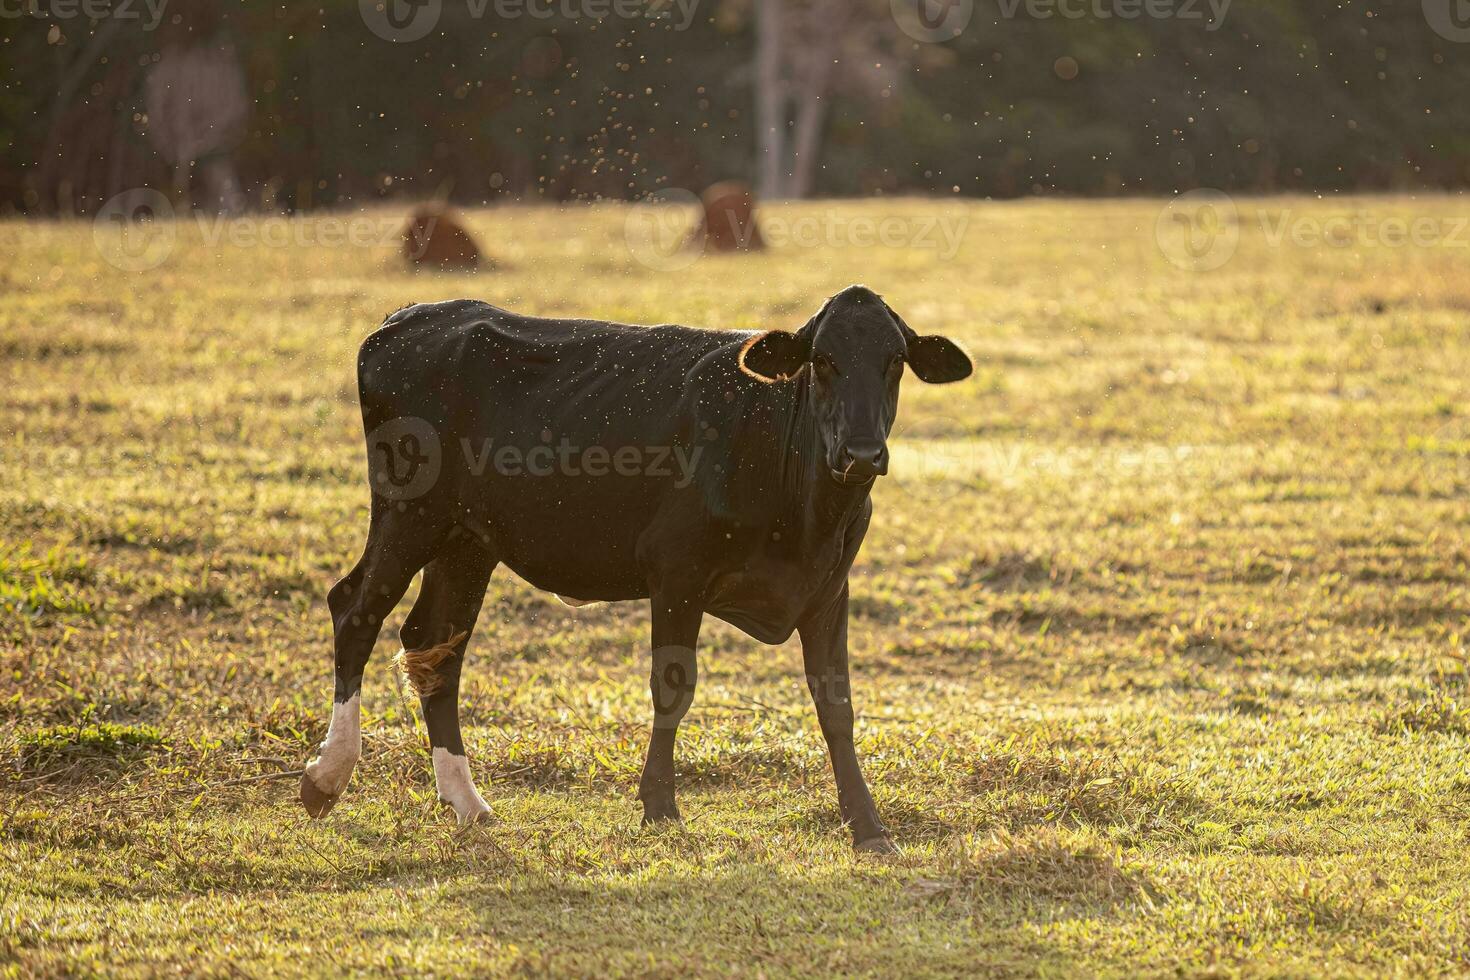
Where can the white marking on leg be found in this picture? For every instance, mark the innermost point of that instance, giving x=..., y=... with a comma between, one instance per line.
x=341, y=748
x=456, y=787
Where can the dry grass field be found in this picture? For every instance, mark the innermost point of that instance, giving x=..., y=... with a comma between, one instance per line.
x=1158, y=637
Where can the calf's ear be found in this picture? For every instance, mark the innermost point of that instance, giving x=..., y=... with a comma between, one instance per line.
x=773, y=356
x=938, y=360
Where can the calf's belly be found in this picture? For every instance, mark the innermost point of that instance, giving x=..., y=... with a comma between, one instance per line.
x=561, y=542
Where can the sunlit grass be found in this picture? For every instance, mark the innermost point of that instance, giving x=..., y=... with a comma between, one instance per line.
x=1158, y=636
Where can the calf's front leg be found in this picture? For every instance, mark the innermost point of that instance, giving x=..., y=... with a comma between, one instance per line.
x=672, y=679
x=824, y=652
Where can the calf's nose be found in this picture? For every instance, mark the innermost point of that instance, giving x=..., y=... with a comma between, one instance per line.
x=862, y=459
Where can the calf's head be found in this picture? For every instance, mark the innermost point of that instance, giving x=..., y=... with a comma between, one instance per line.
x=854, y=350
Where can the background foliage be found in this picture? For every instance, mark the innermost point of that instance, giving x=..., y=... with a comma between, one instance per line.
x=1280, y=96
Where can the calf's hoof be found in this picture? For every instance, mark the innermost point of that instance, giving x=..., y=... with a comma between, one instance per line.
x=476, y=812
x=881, y=844
x=317, y=802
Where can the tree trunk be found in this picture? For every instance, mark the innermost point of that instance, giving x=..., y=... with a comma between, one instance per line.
x=811, y=114
x=810, y=117
x=770, y=102
x=823, y=28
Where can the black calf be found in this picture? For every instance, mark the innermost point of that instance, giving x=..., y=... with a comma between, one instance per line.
x=707, y=471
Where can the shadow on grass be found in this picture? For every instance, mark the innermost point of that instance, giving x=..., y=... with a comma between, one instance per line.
x=791, y=916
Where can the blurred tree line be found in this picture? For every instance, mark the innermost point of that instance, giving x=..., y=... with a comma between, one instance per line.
x=293, y=106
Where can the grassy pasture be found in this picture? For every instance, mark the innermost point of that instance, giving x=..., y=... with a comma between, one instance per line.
x=1158, y=635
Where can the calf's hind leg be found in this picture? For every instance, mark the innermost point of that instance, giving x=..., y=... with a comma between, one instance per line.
x=434, y=639
x=394, y=554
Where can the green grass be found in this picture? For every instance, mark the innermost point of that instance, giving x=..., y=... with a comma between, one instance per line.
x=1158, y=637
